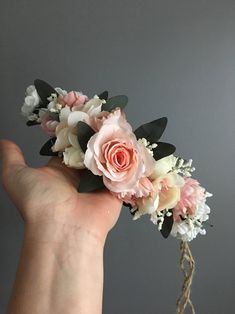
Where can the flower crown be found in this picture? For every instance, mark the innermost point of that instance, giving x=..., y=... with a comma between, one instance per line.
x=135, y=166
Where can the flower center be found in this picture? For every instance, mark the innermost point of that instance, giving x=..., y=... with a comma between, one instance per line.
x=118, y=156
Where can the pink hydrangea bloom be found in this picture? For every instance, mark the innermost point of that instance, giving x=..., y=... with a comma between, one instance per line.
x=191, y=194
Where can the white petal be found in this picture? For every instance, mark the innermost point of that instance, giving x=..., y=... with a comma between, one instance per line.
x=30, y=89
x=61, y=91
x=64, y=113
x=62, y=140
x=93, y=106
x=74, y=158
x=73, y=139
x=150, y=205
x=163, y=166
x=29, y=101
x=75, y=117
x=60, y=127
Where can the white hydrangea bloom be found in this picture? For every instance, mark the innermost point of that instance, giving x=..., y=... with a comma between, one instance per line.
x=31, y=101
x=189, y=228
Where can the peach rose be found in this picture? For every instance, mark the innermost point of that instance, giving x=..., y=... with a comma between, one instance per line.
x=115, y=154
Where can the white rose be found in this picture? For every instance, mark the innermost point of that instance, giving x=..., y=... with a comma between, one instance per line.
x=163, y=166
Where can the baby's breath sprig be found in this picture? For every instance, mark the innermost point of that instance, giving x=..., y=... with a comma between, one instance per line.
x=183, y=166
x=54, y=106
x=158, y=217
x=148, y=145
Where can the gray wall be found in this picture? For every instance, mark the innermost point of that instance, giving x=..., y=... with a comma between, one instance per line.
x=172, y=58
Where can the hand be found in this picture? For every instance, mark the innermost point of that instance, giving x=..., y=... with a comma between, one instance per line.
x=49, y=194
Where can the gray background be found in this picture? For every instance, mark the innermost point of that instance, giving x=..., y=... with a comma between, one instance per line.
x=172, y=58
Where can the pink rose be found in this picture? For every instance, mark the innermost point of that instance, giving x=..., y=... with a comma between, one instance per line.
x=114, y=153
x=141, y=191
x=48, y=125
x=191, y=194
x=73, y=99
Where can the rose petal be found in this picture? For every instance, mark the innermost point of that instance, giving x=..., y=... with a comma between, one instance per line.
x=75, y=117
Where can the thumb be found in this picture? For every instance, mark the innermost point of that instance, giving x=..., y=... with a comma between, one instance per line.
x=11, y=155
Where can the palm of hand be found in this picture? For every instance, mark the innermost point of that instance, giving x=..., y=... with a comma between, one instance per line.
x=49, y=194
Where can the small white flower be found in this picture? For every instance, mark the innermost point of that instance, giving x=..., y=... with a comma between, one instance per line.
x=31, y=101
x=53, y=105
x=184, y=167
x=149, y=147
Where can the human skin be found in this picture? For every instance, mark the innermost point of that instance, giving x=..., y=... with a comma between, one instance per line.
x=61, y=263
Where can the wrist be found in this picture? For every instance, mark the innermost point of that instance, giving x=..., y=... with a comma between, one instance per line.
x=61, y=268
x=63, y=236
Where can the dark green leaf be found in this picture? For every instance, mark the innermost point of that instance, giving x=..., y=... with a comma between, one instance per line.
x=44, y=91
x=46, y=148
x=90, y=182
x=182, y=218
x=128, y=206
x=84, y=134
x=104, y=95
x=152, y=131
x=162, y=150
x=167, y=225
x=114, y=102
x=132, y=212
x=31, y=123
